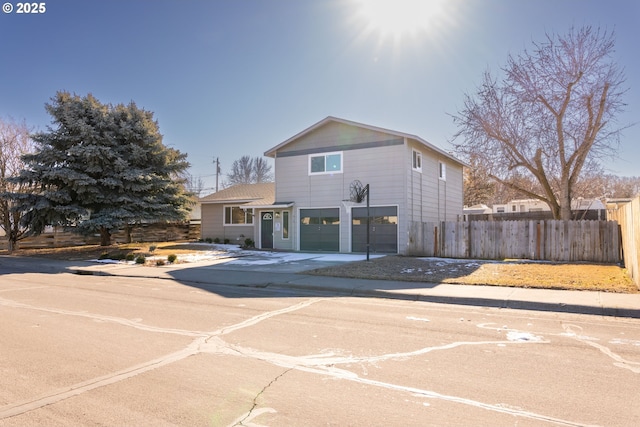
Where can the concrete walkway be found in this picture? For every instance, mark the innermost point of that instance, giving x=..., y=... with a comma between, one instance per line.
x=291, y=276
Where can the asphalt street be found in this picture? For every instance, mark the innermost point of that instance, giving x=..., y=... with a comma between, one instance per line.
x=105, y=349
x=260, y=271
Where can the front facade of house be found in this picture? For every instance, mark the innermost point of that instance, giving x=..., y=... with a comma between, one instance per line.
x=312, y=208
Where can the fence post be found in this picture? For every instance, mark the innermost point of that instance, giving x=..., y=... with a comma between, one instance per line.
x=436, y=252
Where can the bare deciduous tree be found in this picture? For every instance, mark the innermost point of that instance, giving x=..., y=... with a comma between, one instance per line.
x=552, y=114
x=479, y=188
x=194, y=184
x=14, y=142
x=248, y=170
x=262, y=170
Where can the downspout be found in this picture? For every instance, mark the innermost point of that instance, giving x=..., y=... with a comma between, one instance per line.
x=438, y=178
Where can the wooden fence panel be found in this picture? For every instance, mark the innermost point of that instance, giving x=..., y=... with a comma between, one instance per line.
x=60, y=237
x=628, y=216
x=553, y=240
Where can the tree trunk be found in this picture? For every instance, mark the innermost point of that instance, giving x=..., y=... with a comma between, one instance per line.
x=105, y=237
x=11, y=245
x=127, y=229
x=565, y=201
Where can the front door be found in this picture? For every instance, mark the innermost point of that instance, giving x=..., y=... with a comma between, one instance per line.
x=266, y=230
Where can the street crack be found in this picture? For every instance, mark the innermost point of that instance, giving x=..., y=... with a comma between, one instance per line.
x=249, y=415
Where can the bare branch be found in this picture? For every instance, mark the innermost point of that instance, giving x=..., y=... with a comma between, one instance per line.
x=541, y=118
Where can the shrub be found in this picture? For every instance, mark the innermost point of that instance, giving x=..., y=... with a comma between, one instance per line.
x=159, y=262
x=216, y=240
x=208, y=240
x=115, y=255
x=140, y=259
x=152, y=248
x=172, y=258
x=130, y=257
x=226, y=241
x=248, y=243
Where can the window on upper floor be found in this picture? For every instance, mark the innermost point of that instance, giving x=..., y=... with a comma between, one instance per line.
x=442, y=171
x=416, y=161
x=325, y=163
x=235, y=215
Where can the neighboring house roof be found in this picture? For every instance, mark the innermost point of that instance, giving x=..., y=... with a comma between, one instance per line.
x=250, y=194
x=272, y=151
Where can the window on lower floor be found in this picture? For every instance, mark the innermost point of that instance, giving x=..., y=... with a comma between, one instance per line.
x=285, y=225
x=235, y=215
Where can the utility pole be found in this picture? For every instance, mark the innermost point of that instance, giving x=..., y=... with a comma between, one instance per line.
x=217, y=163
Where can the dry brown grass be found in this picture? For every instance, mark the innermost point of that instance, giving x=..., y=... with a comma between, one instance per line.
x=88, y=252
x=582, y=276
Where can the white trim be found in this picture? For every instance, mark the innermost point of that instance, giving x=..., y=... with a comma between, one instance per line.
x=442, y=171
x=325, y=155
x=245, y=209
x=397, y=206
x=288, y=212
x=260, y=228
x=416, y=154
x=299, y=221
x=272, y=151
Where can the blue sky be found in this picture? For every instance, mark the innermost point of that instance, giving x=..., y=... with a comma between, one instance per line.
x=227, y=78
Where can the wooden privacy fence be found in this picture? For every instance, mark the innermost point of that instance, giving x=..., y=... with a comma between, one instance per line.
x=628, y=216
x=553, y=240
x=60, y=237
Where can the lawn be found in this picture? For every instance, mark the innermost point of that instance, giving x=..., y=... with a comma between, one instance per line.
x=514, y=273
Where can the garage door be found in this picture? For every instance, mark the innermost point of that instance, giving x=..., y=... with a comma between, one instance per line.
x=320, y=230
x=383, y=234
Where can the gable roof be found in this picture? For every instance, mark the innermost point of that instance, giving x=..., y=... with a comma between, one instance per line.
x=255, y=194
x=272, y=152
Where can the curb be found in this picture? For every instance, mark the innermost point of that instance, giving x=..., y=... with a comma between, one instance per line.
x=474, y=301
x=597, y=310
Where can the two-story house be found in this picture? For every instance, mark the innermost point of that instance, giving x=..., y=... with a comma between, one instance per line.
x=311, y=207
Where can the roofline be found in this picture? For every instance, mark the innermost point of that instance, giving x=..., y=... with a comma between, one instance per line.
x=273, y=206
x=272, y=152
x=236, y=201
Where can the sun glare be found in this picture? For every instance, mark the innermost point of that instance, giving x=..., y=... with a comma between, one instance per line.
x=396, y=18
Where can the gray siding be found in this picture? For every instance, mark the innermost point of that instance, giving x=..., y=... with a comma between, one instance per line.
x=278, y=241
x=211, y=221
x=429, y=197
x=334, y=135
x=379, y=159
x=212, y=226
x=381, y=167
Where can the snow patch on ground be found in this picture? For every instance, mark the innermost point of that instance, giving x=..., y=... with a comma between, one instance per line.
x=420, y=319
x=234, y=254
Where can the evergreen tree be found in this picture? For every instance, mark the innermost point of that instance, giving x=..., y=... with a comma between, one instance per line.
x=101, y=168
